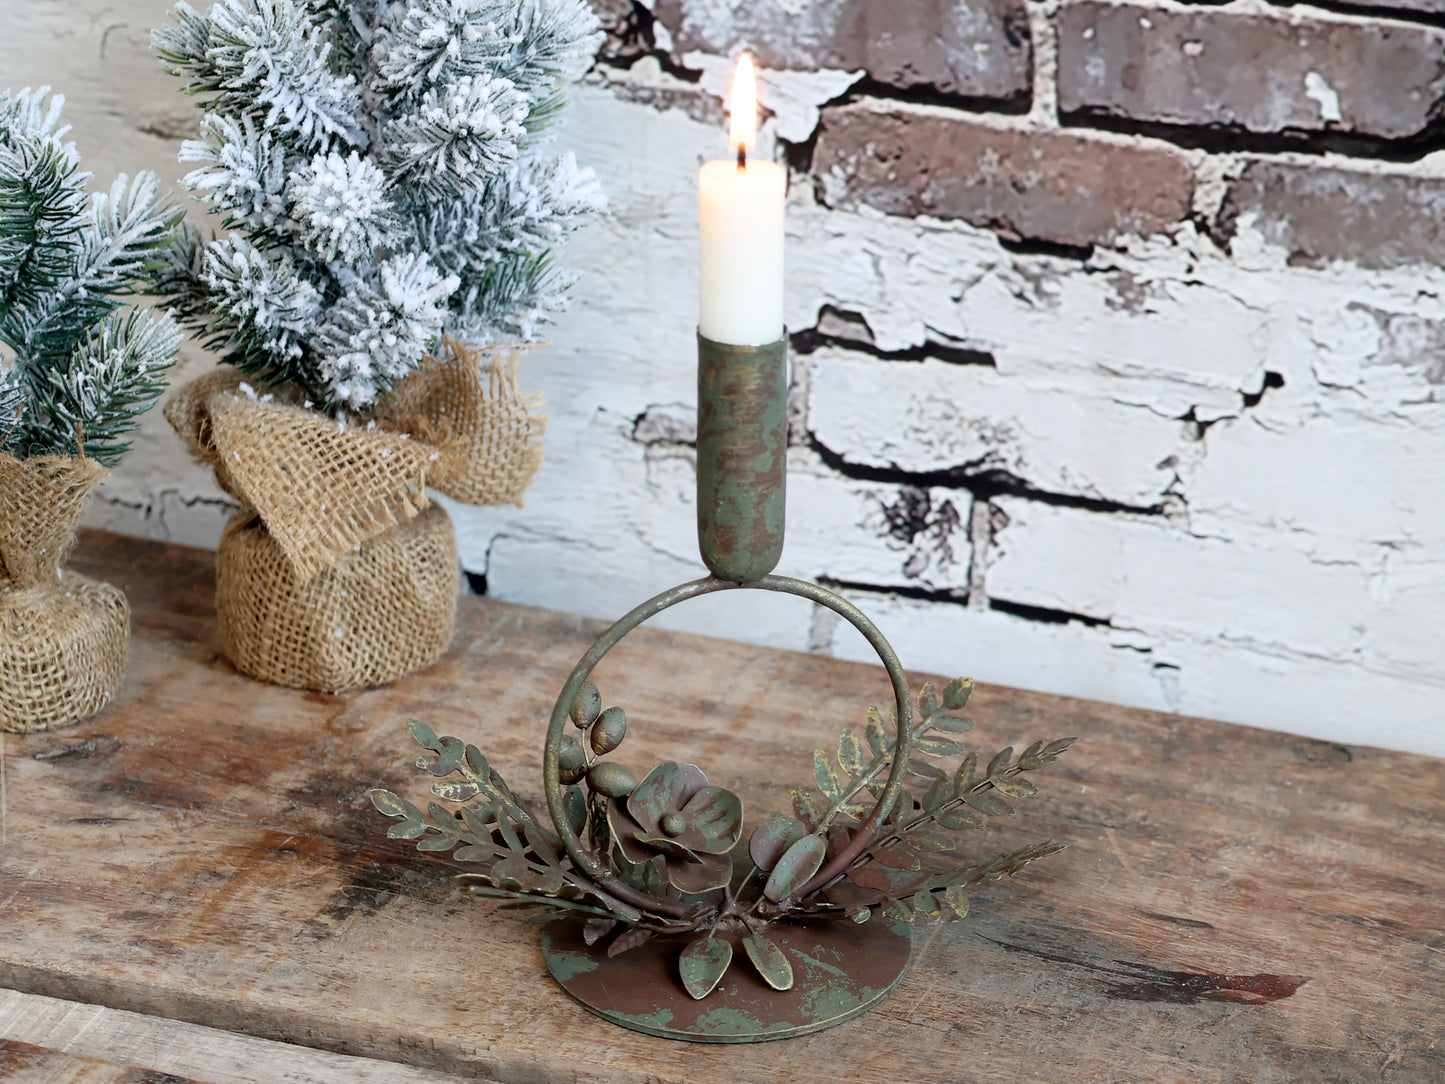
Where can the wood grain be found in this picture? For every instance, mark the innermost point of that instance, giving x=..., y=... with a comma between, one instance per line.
x=1237, y=905
x=44, y=1040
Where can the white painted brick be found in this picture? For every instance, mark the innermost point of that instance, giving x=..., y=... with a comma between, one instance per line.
x=1319, y=698
x=937, y=416
x=1405, y=637
x=999, y=649
x=840, y=529
x=1153, y=575
x=1346, y=480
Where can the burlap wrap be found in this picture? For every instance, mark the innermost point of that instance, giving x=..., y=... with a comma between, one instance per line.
x=63, y=637
x=338, y=573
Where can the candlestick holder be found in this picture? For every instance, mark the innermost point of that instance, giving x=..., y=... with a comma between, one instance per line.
x=655, y=893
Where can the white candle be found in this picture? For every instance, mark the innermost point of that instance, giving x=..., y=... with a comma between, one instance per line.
x=741, y=210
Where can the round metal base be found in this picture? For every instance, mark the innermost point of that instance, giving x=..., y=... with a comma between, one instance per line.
x=841, y=970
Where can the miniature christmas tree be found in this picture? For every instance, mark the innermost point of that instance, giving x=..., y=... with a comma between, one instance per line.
x=76, y=368
x=384, y=170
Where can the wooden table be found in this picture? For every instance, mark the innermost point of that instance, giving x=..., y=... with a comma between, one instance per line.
x=1237, y=905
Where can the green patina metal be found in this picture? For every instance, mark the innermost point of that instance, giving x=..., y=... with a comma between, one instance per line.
x=742, y=445
x=557, y=725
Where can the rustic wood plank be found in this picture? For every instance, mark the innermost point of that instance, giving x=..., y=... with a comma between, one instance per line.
x=1238, y=905
x=44, y=1040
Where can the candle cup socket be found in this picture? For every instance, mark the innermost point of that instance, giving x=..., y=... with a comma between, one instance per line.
x=742, y=445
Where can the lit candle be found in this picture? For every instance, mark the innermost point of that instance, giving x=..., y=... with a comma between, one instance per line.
x=741, y=205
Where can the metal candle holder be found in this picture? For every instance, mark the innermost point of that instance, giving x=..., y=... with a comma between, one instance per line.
x=656, y=891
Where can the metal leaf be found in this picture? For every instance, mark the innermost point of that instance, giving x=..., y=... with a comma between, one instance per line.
x=927, y=701
x=453, y=751
x=595, y=929
x=850, y=752
x=899, y=857
x=574, y=803
x=871, y=877
x=936, y=745
x=702, y=965
x=901, y=909
x=509, y=834
x=999, y=762
x=804, y=807
x=509, y=872
x=461, y=790
x=610, y=729
x=798, y=863
x=928, y=841
x=940, y=792
x=1051, y=751
x=960, y=819
x=587, y=706
x=1016, y=788
x=629, y=940
x=952, y=724
x=923, y=768
x=957, y=692
x=826, y=777
x=1029, y=758
x=772, y=965
x=877, y=736
x=985, y=801
x=926, y=904
x=717, y=813
x=407, y=829
x=963, y=778
x=957, y=900
x=425, y=736
x=663, y=790
x=392, y=805
x=543, y=843
x=772, y=838
x=477, y=763
x=437, y=843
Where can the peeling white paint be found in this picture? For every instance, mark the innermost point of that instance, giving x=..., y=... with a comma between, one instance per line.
x=1318, y=90
x=793, y=98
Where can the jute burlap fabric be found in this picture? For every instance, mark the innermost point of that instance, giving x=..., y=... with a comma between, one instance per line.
x=63, y=637
x=378, y=613
x=331, y=497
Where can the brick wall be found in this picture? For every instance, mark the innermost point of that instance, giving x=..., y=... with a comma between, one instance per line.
x=1119, y=337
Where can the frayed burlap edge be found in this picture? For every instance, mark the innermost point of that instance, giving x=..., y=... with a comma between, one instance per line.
x=323, y=486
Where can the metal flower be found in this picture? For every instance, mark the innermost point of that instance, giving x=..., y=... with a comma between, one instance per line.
x=675, y=813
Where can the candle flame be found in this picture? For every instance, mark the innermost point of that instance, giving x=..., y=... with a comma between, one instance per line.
x=743, y=130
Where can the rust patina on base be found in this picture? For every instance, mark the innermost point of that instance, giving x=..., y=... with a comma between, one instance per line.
x=841, y=971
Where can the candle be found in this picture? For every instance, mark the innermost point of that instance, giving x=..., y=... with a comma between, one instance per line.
x=741, y=209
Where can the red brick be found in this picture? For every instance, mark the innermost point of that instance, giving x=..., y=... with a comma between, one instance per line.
x=963, y=48
x=1320, y=213
x=1066, y=187
x=1256, y=73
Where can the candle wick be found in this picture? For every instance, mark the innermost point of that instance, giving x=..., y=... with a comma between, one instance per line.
x=742, y=156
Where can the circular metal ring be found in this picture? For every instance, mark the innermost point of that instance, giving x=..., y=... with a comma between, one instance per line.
x=551, y=764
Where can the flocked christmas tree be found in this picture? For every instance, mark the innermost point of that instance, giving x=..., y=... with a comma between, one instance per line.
x=76, y=368
x=384, y=172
